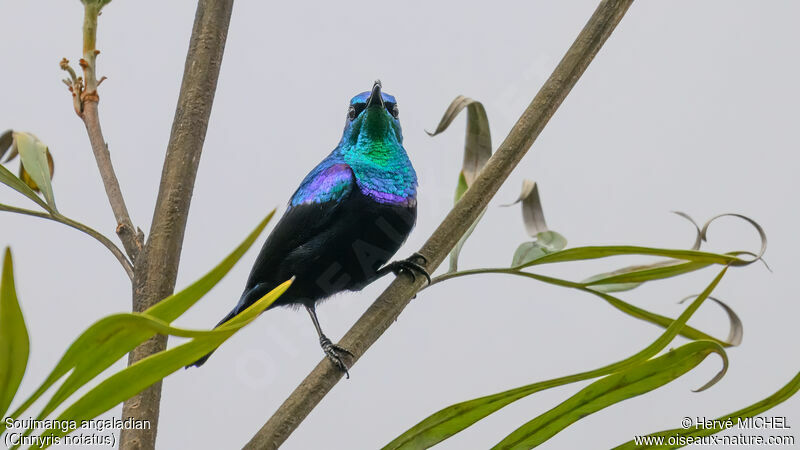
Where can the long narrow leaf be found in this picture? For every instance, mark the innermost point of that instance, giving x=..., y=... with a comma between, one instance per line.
x=11, y=180
x=612, y=389
x=14, y=343
x=674, y=435
x=636, y=275
x=173, y=306
x=616, y=302
x=139, y=376
x=453, y=419
x=627, y=308
x=631, y=277
x=595, y=252
x=106, y=341
x=112, y=333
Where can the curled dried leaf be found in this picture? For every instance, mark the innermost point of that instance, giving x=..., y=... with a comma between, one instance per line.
x=698, y=240
x=721, y=352
x=532, y=213
x=762, y=235
x=607, y=282
x=478, y=142
x=477, y=151
x=736, y=332
x=6, y=142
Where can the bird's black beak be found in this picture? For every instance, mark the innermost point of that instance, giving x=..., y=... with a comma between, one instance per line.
x=375, y=97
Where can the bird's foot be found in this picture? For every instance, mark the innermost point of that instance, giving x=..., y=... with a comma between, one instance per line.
x=332, y=351
x=410, y=265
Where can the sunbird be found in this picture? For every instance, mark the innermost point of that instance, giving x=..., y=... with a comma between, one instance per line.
x=349, y=216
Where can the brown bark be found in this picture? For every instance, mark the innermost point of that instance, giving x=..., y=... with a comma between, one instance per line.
x=131, y=240
x=157, y=266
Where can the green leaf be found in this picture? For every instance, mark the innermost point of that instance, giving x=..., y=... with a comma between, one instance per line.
x=26, y=177
x=633, y=311
x=173, y=306
x=14, y=344
x=34, y=159
x=460, y=189
x=460, y=244
x=632, y=277
x=100, y=3
x=595, y=252
x=109, y=339
x=783, y=394
x=610, y=390
x=533, y=217
x=105, y=337
x=11, y=180
x=546, y=242
x=141, y=375
x=453, y=419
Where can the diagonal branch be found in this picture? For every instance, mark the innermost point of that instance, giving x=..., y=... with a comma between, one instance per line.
x=131, y=240
x=157, y=266
x=78, y=226
x=388, y=306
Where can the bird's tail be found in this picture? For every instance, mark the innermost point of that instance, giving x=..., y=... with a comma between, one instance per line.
x=202, y=360
x=248, y=298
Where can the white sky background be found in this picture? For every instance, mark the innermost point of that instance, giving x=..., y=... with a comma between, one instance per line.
x=689, y=106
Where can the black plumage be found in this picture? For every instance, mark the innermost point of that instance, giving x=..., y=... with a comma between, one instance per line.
x=344, y=222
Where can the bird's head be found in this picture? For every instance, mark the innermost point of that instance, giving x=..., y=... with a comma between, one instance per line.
x=372, y=118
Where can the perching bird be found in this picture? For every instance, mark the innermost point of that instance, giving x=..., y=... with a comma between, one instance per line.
x=349, y=216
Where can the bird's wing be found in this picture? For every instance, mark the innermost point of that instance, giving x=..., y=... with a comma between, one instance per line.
x=327, y=182
x=312, y=210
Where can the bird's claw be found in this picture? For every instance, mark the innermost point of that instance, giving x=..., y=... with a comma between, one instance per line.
x=410, y=266
x=332, y=352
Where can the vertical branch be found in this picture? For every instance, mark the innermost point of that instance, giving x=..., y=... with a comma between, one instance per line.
x=86, y=100
x=157, y=267
x=388, y=306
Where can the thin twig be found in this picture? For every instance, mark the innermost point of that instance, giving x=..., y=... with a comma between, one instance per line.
x=85, y=99
x=625, y=307
x=385, y=310
x=157, y=266
x=128, y=234
x=78, y=226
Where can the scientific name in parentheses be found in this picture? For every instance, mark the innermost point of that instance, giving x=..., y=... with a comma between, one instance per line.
x=744, y=423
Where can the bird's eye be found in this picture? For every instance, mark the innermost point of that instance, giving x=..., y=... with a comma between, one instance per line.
x=355, y=110
x=394, y=111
